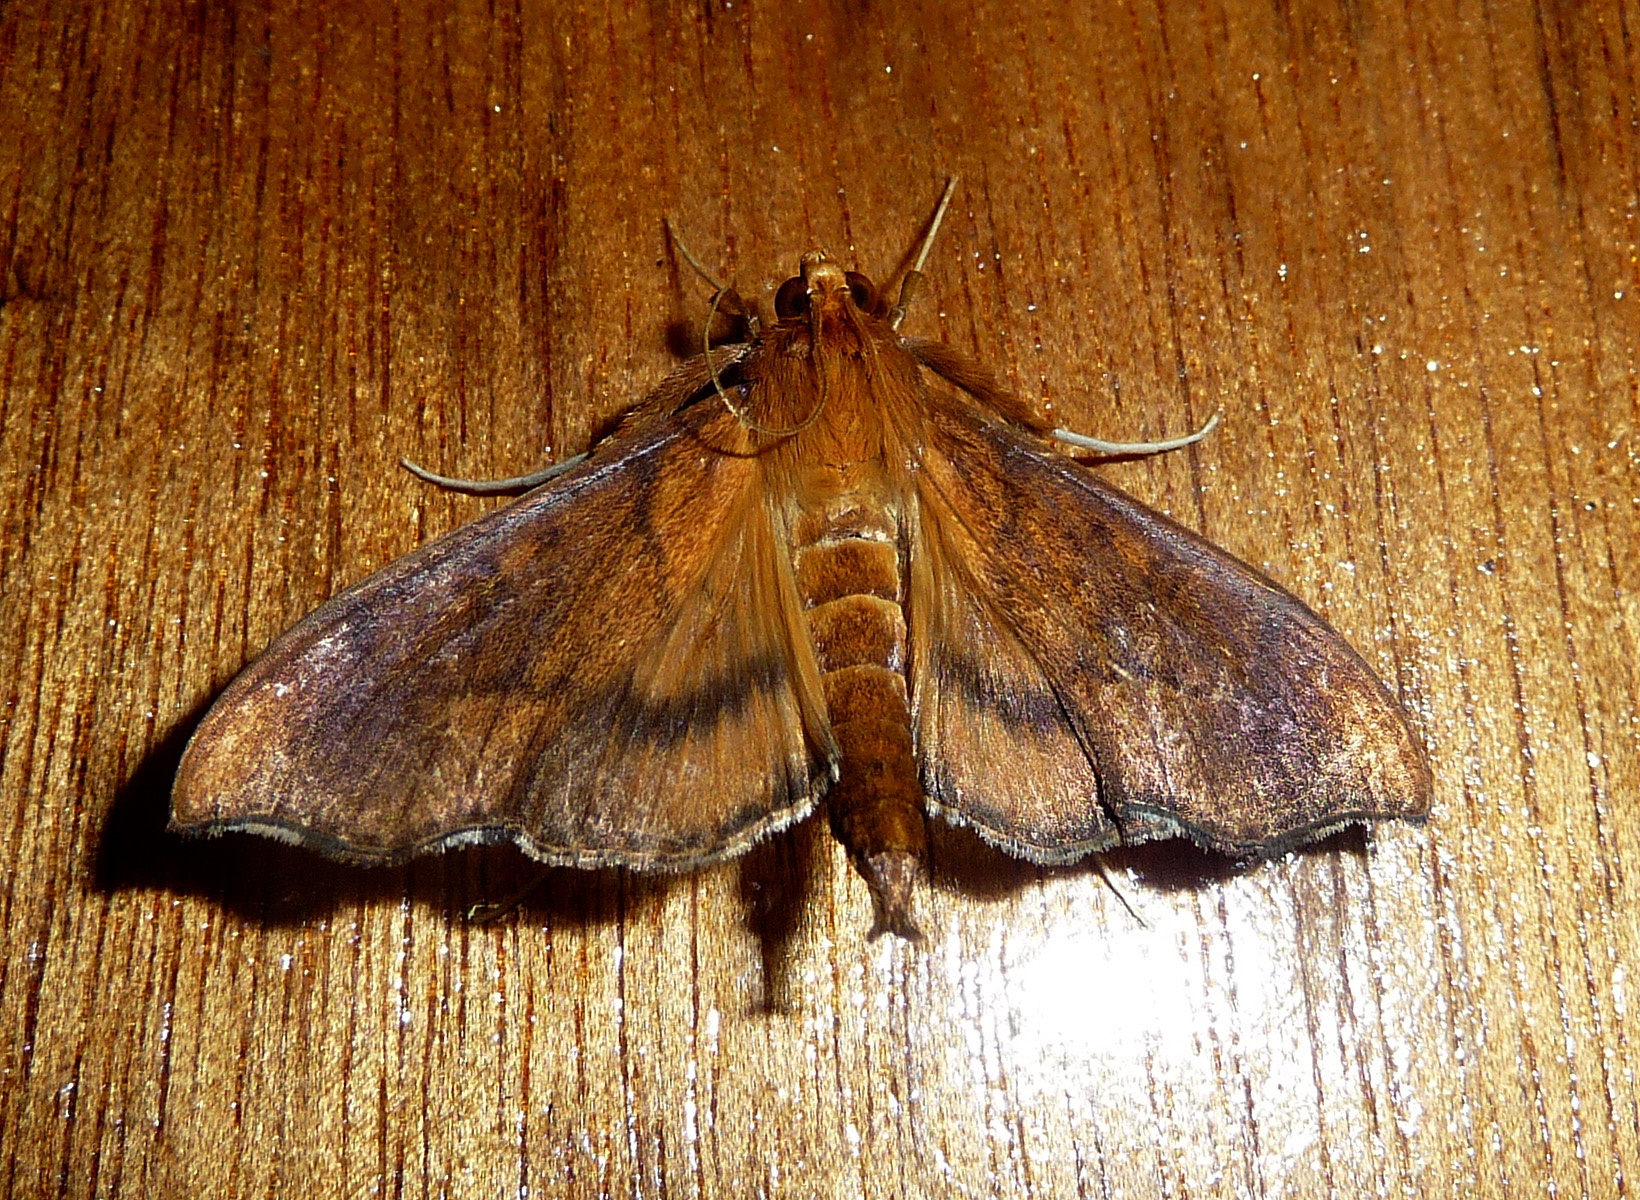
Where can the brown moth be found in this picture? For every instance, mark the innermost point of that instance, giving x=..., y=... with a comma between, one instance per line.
x=824, y=561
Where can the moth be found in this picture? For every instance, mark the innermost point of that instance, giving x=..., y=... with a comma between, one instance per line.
x=822, y=562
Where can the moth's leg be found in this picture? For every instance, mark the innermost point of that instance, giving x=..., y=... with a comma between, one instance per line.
x=493, y=910
x=977, y=382
x=672, y=394
x=915, y=283
x=1098, y=861
x=518, y=483
x=1098, y=446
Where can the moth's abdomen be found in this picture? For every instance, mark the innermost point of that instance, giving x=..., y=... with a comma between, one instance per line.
x=851, y=589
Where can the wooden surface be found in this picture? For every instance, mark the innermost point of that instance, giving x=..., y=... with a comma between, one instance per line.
x=254, y=254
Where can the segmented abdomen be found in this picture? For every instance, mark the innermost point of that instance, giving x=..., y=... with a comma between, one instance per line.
x=851, y=581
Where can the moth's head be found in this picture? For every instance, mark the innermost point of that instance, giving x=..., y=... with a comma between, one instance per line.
x=824, y=293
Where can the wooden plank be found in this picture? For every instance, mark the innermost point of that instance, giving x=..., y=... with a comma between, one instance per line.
x=252, y=254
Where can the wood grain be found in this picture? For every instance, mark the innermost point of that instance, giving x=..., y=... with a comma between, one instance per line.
x=253, y=253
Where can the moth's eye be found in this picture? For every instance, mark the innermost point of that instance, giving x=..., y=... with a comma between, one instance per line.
x=792, y=300
x=863, y=291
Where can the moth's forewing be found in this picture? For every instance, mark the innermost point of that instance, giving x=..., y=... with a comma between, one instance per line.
x=1181, y=691
x=602, y=671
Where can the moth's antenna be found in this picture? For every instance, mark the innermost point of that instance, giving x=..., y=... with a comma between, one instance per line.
x=741, y=414
x=1082, y=442
x=719, y=291
x=934, y=225
x=914, y=282
x=700, y=268
x=757, y=426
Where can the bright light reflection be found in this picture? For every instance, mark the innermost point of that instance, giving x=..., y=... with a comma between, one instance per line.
x=1078, y=993
x=1137, y=1003
x=1238, y=988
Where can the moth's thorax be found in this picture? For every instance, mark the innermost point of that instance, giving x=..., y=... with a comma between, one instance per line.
x=836, y=376
x=839, y=385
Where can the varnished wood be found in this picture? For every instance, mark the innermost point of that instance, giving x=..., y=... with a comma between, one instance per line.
x=253, y=256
